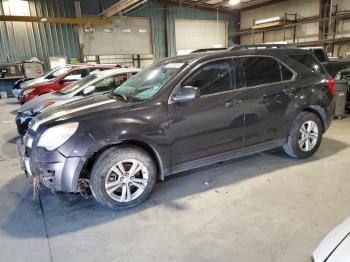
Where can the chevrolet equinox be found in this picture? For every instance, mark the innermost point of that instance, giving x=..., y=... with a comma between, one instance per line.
x=178, y=114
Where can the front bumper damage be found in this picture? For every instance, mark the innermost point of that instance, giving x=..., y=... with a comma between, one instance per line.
x=51, y=168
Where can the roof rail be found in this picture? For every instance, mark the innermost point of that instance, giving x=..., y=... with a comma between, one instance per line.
x=261, y=46
x=213, y=49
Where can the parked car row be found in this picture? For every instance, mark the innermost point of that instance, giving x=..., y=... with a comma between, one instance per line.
x=178, y=114
x=95, y=83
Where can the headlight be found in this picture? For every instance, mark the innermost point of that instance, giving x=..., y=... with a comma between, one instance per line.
x=56, y=136
x=26, y=92
x=40, y=108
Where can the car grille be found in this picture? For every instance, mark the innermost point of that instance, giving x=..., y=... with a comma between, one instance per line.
x=27, y=152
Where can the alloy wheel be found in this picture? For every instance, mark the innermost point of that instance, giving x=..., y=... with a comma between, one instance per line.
x=126, y=180
x=308, y=136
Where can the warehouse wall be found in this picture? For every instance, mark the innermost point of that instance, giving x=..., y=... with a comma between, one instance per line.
x=20, y=41
x=304, y=33
x=156, y=12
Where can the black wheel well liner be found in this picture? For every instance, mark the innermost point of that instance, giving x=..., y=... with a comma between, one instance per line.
x=145, y=146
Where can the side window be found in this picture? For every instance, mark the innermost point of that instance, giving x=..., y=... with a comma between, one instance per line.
x=94, y=71
x=286, y=73
x=110, y=83
x=213, y=77
x=320, y=54
x=311, y=62
x=261, y=70
x=76, y=75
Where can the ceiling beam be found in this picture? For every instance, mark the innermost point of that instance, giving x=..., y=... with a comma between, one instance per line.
x=56, y=20
x=118, y=7
x=211, y=8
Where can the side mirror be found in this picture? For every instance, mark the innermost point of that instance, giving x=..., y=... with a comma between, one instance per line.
x=186, y=93
x=88, y=90
x=61, y=82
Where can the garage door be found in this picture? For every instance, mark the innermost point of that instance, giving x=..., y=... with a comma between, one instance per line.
x=194, y=34
x=125, y=36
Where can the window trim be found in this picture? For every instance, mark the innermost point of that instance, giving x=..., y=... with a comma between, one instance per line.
x=178, y=85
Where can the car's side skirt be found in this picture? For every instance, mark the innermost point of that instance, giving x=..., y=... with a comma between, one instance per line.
x=227, y=156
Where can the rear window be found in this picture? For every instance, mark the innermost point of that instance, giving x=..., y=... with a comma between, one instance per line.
x=311, y=62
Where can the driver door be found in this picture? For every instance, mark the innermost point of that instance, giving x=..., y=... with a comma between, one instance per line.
x=211, y=124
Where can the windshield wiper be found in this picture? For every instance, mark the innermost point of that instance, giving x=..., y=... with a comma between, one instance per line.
x=120, y=95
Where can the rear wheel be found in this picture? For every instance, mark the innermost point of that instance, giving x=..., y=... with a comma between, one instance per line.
x=123, y=177
x=305, y=136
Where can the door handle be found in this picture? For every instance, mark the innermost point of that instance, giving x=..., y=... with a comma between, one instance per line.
x=232, y=102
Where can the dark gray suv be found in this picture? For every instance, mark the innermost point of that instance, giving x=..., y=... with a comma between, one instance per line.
x=178, y=114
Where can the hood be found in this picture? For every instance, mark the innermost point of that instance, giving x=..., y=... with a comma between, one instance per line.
x=36, y=102
x=79, y=108
x=334, y=243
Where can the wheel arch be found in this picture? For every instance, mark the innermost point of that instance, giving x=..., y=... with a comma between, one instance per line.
x=320, y=112
x=141, y=144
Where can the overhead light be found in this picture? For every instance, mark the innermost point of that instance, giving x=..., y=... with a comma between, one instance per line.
x=234, y=2
x=43, y=19
x=127, y=30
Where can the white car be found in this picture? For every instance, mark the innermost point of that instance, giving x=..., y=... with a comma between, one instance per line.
x=335, y=247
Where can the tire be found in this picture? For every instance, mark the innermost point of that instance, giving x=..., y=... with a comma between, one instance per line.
x=107, y=173
x=296, y=135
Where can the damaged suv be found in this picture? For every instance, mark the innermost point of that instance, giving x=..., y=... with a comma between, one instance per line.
x=179, y=114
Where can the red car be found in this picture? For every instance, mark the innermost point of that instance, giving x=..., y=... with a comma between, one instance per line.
x=73, y=74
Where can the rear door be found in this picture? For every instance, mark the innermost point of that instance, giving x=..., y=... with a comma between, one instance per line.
x=265, y=97
x=212, y=124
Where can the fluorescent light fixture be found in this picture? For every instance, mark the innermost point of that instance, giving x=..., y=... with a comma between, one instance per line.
x=127, y=30
x=142, y=31
x=234, y=2
x=43, y=19
x=16, y=7
x=268, y=20
x=108, y=30
x=217, y=46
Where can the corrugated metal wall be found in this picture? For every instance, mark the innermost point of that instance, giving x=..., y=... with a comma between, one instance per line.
x=20, y=41
x=156, y=12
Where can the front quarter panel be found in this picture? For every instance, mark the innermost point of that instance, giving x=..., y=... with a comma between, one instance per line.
x=146, y=124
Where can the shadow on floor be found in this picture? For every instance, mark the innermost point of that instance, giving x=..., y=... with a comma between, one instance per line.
x=66, y=213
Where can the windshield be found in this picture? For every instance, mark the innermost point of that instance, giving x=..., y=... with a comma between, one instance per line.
x=56, y=72
x=76, y=85
x=149, y=81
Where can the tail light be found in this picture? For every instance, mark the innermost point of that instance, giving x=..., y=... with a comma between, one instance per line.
x=331, y=85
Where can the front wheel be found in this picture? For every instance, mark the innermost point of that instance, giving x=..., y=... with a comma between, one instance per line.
x=305, y=136
x=123, y=177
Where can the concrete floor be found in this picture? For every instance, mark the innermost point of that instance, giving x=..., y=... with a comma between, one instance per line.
x=265, y=207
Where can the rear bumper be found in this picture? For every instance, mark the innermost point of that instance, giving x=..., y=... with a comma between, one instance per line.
x=56, y=171
x=330, y=111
